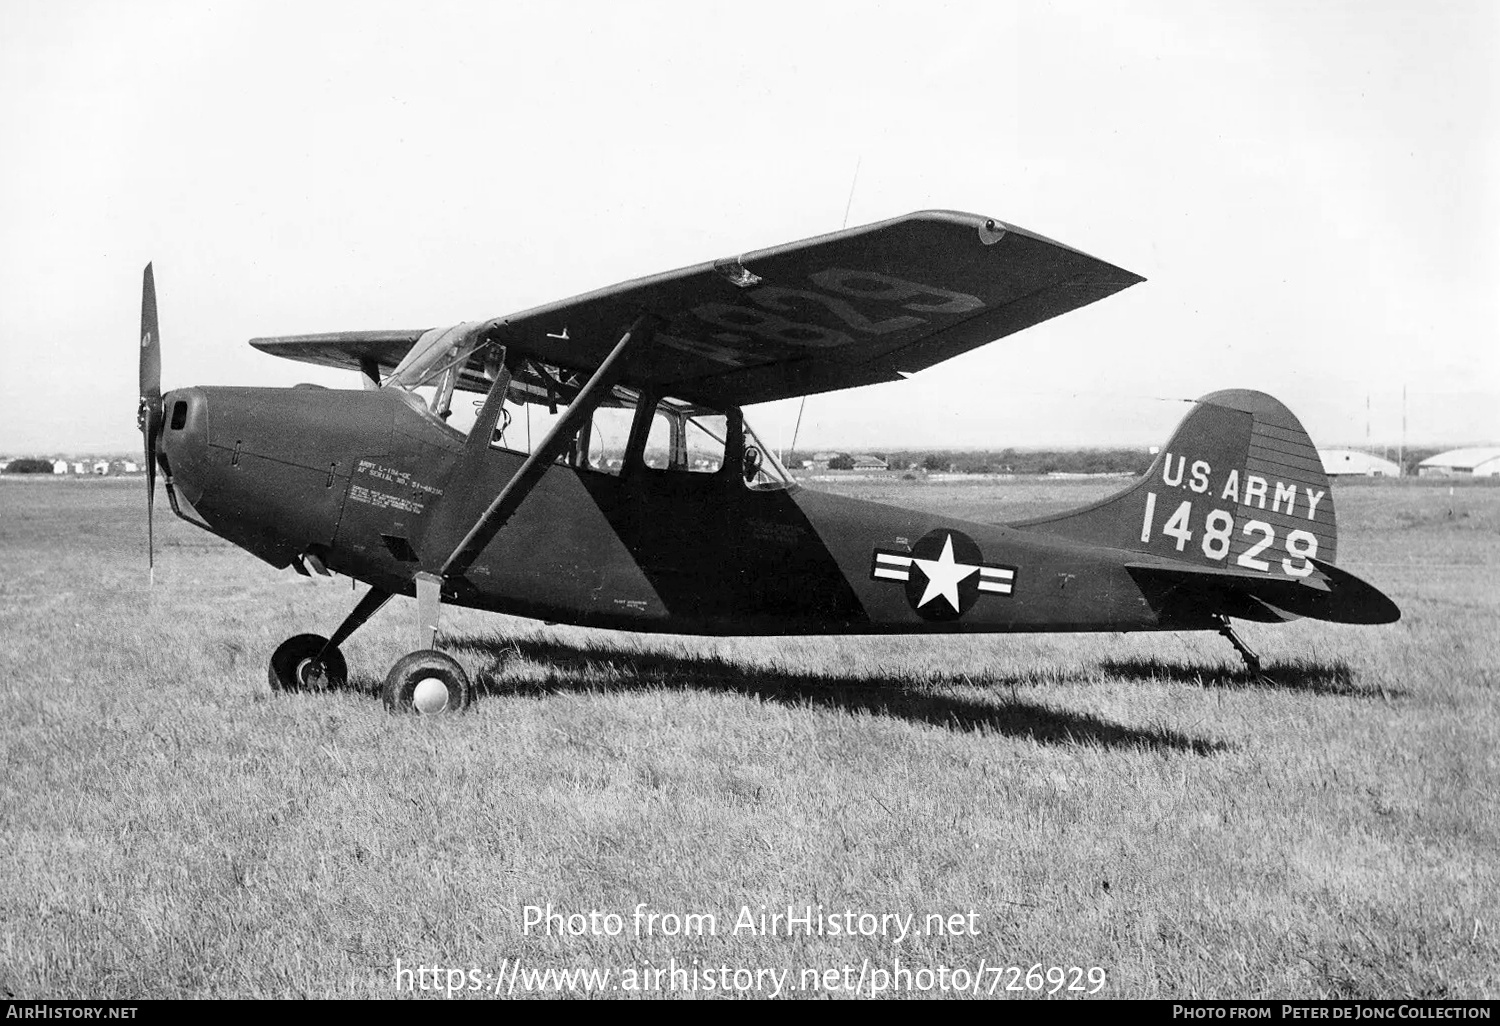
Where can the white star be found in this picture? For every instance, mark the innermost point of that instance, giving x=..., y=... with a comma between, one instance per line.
x=943, y=576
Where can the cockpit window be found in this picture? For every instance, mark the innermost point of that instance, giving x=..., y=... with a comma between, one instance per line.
x=704, y=438
x=686, y=438
x=609, y=434
x=682, y=437
x=761, y=469
x=600, y=443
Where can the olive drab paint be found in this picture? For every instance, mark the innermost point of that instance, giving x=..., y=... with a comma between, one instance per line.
x=1235, y=517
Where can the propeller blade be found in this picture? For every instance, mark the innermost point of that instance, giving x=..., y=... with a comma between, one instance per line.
x=149, y=414
x=150, y=339
x=150, y=515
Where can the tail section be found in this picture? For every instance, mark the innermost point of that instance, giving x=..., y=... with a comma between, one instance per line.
x=1237, y=508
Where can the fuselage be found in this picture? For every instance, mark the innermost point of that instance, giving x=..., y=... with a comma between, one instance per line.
x=363, y=483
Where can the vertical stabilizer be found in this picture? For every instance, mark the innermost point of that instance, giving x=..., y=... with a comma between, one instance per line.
x=1239, y=487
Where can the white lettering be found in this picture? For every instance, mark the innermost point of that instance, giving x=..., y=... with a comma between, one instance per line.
x=1312, y=503
x=1284, y=492
x=1301, y=545
x=1200, y=477
x=1255, y=488
x=1166, y=470
x=1177, y=525
x=1267, y=538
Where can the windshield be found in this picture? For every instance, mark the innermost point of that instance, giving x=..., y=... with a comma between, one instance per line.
x=431, y=369
x=437, y=352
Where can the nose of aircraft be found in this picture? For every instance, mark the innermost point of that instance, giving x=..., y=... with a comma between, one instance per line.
x=268, y=468
x=182, y=440
x=267, y=474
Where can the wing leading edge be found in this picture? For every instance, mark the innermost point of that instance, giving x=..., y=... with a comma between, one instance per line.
x=345, y=350
x=854, y=307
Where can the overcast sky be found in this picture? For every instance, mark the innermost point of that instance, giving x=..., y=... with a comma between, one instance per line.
x=1310, y=188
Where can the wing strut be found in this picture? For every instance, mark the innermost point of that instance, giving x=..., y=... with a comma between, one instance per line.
x=519, y=487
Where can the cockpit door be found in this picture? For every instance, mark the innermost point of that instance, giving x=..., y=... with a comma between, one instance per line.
x=677, y=494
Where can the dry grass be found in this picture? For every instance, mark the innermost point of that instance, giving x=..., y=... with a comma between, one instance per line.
x=1131, y=802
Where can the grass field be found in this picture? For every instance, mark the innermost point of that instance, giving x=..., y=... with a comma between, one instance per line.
x=1131, y=802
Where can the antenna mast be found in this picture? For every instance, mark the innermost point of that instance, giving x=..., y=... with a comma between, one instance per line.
x=1401, y=457
x=847, y=205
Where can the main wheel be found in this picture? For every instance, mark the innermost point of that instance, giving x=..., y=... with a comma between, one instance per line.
x=428, y=682
x=295, y=666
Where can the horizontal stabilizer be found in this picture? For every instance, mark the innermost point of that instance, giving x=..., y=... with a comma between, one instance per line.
x=1328, y=593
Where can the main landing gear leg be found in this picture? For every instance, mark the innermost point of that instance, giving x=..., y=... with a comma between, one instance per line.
x=311, y=662
x=1252, y=661
x=427, y=681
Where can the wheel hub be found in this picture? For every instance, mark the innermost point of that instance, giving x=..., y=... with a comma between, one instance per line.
x=430, y=695
x=311, y=674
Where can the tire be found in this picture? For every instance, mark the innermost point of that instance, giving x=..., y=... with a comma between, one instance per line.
x=292, y=667
x=427, y=683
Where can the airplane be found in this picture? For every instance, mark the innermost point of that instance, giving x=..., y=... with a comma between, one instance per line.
x=606, y=476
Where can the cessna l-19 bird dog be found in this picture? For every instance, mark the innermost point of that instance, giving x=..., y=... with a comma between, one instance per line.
x=607, y=477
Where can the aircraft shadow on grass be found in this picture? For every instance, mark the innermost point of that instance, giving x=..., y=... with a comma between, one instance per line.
x=1314, y=677
x=932, y=701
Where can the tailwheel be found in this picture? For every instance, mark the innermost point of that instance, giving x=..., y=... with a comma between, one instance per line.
x=428, y=683
x=1252, y=661
x=300, y=663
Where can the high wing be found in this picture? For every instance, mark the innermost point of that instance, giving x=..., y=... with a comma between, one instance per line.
x=850, y=308
x=346, y=350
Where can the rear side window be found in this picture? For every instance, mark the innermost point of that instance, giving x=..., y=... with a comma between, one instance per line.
x=686, y=438
x=704, y=435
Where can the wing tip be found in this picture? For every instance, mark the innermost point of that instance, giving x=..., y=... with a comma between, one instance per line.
x=991, y=229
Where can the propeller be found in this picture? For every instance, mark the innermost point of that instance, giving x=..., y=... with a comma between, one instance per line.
x=149, y=414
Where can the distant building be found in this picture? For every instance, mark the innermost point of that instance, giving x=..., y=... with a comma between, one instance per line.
x=101, y=466
x=870, y=463
x=129, y=467
x=1352, y=462
x=59, y=466
x=1483, y=461
x=80, y=467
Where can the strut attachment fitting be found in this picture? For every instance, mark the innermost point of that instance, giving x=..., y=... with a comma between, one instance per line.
x=429, y=610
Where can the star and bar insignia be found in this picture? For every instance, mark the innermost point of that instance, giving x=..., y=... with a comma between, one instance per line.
x=944, y=574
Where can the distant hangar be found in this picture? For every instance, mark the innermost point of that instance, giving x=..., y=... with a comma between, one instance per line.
x=1344, y=462
x=1483, y=461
